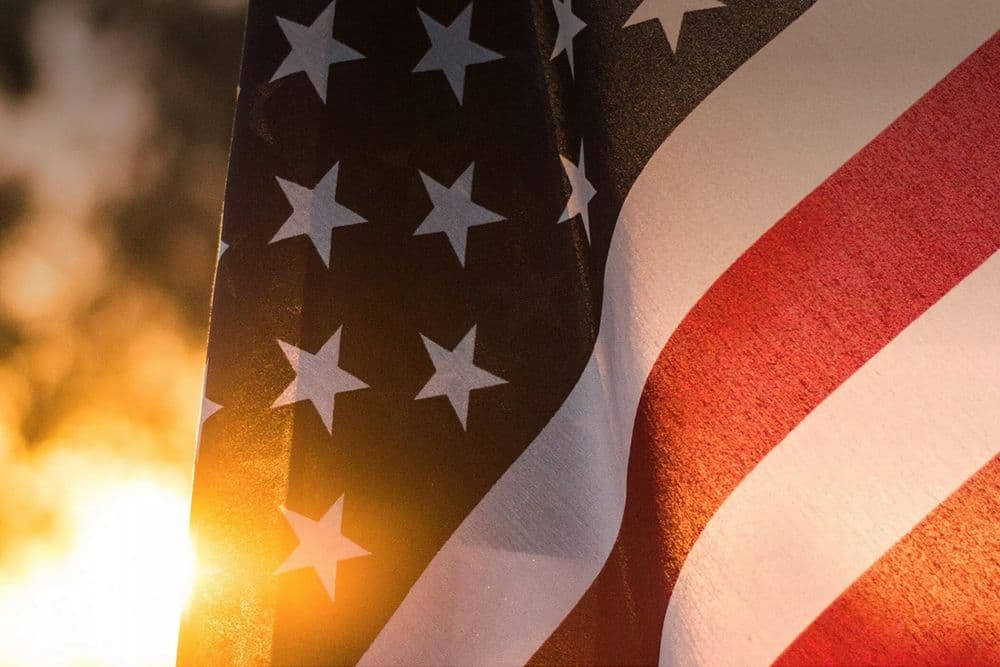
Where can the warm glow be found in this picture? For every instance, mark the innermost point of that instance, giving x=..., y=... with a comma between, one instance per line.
x=115, y=596
x=102, y=331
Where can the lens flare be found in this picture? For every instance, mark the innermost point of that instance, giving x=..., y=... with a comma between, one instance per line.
x=114, y=598
x=101, y=362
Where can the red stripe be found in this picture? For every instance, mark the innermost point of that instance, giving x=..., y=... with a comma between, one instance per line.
x=933, y=599
x=825, y=289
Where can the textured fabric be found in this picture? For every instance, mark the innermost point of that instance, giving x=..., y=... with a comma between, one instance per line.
x=828, y=286
x=605, y=333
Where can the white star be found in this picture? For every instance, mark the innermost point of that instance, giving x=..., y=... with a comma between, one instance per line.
x=452, y=51
x=318, y=378
x=315, y=213
x=313, y=50
x=208, y=408
x=670, y=14
x=454, y=211
x=321, y=545
x=569, y=25
x=582, y=192
x=223, y=247
x=455, y=375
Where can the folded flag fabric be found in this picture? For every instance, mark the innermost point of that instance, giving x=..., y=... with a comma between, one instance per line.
x=596, y=332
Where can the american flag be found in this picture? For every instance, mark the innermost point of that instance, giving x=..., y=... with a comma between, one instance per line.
x=606, y=332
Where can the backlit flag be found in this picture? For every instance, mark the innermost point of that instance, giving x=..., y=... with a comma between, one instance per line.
x=606, y=332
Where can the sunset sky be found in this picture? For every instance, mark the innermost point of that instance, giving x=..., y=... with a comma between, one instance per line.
x=114, y=128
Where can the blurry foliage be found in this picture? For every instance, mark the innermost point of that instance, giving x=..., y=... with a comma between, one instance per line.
x=166, y=228
x=13, y=208
x=13, y=204
x=115, y=122
x=16, y=72
x=157, y=237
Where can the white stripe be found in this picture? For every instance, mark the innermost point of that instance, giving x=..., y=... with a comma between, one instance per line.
x=754, y=148
x=881, y=452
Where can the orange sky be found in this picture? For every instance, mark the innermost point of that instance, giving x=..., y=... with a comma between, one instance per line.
x=100, y=388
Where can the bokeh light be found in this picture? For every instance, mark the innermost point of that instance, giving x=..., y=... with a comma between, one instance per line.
x=114, y=127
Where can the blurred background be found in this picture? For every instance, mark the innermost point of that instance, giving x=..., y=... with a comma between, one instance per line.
x=115, y=119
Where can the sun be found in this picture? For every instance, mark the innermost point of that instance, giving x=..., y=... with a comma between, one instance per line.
x=115, y=597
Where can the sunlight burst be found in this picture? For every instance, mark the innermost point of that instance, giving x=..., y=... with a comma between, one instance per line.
x=115, y=597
